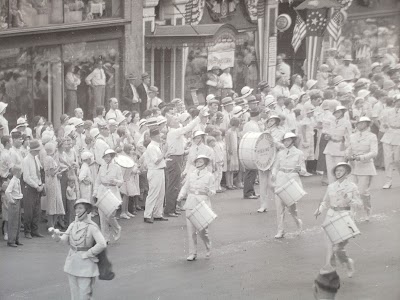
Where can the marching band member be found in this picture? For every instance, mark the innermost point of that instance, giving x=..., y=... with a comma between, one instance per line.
x=198, y=147
x=341, y=195
x=338, y=135
x=109, y=178
x=86, y=242
x=391, y=141
x=288, y=164
x=362, y=150
x=199, y=186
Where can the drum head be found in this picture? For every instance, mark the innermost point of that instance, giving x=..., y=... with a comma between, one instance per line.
x=124, y=161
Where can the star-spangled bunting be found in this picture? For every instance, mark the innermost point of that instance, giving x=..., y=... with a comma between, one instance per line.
x=334, y=29
x=316, y=23
x=299, y=32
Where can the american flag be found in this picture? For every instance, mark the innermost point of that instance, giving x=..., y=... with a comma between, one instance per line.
x=334, y=28
x=299, y=32
x=316, y=26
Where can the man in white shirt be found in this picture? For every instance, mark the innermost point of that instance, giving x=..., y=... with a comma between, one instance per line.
x=78, y=112
x=155, y=162
x=32, y=191
x=174, y=162
x=347, y=70
x=281, y=87
x=100, y=145
x=131, y=98
x=97, y=81
x=15, y=151
x=153, y=101
x=114, y=112
x=5, y=158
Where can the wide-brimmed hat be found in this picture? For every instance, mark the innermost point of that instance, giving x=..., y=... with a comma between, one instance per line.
x=340, y=107
x=83, y=201
x=311, y=83
x=3, y=106
x=364, y=119
x=274, y=117
x=94, y=132
x=34, y=145
x=151, y=122
x=337, y=79
x=227, y=101
x=344, y=88
x=342, y=164
x=269, y=100
x=262, y=85
x=376, y=64
x=198, y=133
x=153, y=89
x=363, y=93
x=142, y=123
x=252, y=99
x=246, y=91
x=47, y=136
x=109, y=151
x=237, y=111
x=202, y=156
x=131, y=76
x=21, y=122
x=347, y=57
x=289, y=135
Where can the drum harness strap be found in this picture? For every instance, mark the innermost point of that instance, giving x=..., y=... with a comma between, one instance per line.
x=340, y=208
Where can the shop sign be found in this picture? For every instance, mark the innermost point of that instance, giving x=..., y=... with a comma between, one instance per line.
x=272, y=50
x=5, y=53
x=221, y=55
x=283, y=22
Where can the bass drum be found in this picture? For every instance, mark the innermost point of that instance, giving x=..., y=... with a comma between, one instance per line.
x=257, y=151
x=124, y=161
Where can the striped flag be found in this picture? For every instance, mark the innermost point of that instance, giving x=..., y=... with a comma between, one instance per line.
x=334, y=28
x=299, y=32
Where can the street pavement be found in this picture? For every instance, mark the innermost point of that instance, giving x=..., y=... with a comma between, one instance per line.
x=246, y=263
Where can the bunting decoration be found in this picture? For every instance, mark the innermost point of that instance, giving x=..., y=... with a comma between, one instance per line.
x=299, y=32
x=194, y=11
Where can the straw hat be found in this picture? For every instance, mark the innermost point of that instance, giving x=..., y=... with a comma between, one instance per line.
x=94, y=132
x=311, y=83
x=227, y=101
x=237, y=111
x=109, y=151
x=246, y=91
x=142, y=123
x=337, y=79
x=198, y=133
x=21, y=122
x=34, y=145
x=209, y=98
x=131, y=76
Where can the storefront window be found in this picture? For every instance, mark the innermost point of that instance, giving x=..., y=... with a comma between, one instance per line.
x=35, y=13
x=30, y=81
x=82, y=60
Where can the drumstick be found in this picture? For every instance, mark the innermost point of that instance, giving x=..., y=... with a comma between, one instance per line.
x=55, y=231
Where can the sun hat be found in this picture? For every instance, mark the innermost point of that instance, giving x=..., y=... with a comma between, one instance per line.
x=109, y=151
x=34, y=145
x=289, y=135
x=342, y=164
x=246, y=91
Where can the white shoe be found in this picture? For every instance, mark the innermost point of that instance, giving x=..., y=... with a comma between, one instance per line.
x=300, y=226
x=130, y=215
x=124, y=216
x=6, y=236
x=280, y=235
x=387, y=185
x=350, y=268
x=208, y=253
x=118, y=235
x=191, y=257
x=261, y=210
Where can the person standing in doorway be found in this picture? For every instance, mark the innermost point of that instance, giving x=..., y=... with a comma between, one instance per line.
x=72, y=80
x=97, y=82
x=143, y=90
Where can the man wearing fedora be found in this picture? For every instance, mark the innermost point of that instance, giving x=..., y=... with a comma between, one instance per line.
x=152, y=100
x=142, y=90
x=33, y=187
x=130, y=96
x=347, y=70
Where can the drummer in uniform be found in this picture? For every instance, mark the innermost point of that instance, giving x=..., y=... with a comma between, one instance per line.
x=199, y=186
x=86, y=242
x=266, y=184
x=288, y=164
x=362, y=150
x=109, y=178
x=342, y=195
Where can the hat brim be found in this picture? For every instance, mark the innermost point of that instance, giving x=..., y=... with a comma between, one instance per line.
x=349, y=169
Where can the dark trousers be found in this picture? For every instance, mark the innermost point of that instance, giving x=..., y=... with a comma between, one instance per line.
x=14, y=221
x=31, y=209
x=173, y=182
x=248, y=186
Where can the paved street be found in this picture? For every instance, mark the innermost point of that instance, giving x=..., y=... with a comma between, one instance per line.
x=246, y=262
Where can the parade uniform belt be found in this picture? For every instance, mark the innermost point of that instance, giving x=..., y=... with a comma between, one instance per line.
x=76, y=249
x=340, y=208
x=336, y=141
x=287, y=170
x=198, y=193
x=108, y=184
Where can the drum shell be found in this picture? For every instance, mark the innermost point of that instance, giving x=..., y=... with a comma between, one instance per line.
x=290, y=192
x=201, y=216
x=257, y=151
x=108, y=203
x=340, y=227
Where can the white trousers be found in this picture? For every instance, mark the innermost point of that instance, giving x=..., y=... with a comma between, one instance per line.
x=364, y=182
x=218, y=177
x=391, y=155
x=192, y=235
x=266, y=190
x=81, y=287
x=331, y=162
x=280, y=213
x=155, y=197
x=108, y=225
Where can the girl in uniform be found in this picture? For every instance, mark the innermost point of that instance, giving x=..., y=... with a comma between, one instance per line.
x=341, y=195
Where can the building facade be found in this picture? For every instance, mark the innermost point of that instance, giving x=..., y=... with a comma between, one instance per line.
x=48, y=48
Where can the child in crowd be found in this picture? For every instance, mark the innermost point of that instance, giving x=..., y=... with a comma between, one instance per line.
x=71, y=198
x=85, y=177
x=232, y=148
x=14, y=197
x=219, y=158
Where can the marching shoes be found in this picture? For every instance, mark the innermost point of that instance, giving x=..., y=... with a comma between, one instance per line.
x=262, y=210
x=299, y=226
x=350, y=268
x=148, y=220
x=191, y=257
x=387, y=185
x=280, y=235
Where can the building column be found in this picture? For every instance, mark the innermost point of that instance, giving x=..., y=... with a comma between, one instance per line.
x=133, y=39
x=270, y=42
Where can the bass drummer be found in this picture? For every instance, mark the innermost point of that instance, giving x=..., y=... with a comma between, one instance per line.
x=341, y=196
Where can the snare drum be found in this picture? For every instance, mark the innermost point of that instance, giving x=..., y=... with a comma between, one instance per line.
x=340, y=227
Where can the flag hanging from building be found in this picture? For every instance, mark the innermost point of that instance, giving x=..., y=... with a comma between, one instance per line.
x=299, y=32
x=194, y=11
x=334, y=26
x=260, y=35
x=316, y=23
